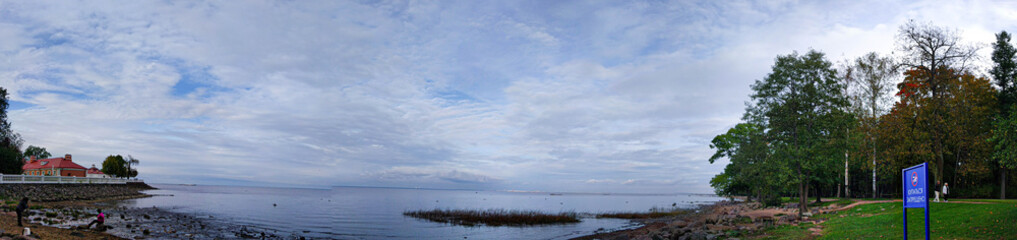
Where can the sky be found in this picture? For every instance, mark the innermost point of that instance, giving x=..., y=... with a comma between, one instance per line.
x=578, y=96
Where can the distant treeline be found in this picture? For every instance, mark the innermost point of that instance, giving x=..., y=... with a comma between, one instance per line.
x=813, y=129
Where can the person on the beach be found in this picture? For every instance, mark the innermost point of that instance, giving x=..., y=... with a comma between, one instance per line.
x=945, y=187
x=22, y=206
x=99, y=220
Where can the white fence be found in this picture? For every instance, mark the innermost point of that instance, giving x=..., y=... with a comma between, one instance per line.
x=4, y=178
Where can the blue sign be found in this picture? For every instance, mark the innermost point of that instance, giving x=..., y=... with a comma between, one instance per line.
x=916, y=193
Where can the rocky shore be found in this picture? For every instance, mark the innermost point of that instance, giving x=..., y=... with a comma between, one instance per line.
x=722, y=220
x=62, y=211
x=148, y=223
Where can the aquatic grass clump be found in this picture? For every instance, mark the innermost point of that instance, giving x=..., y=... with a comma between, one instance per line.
x=494, y=217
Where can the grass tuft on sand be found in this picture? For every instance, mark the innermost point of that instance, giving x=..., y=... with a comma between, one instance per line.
x=493, y=217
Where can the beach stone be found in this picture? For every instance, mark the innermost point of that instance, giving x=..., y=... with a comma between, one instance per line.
x=697, y=235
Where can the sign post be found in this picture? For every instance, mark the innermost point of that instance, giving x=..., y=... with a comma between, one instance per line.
x=916, y=193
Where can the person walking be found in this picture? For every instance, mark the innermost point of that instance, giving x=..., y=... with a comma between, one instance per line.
x=99, y=220
x=22, y=206
x=946, y=187
x=936, y=189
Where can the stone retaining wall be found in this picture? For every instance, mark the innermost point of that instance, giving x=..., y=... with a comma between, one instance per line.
x=65, y=192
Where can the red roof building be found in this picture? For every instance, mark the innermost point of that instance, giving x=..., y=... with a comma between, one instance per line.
x=53, y=167
x=94, y=172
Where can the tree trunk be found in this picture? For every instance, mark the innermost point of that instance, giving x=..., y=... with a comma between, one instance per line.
x=801, y=195
x=847, y=183
x=805, y=197
x=838, y=190
x=873, y=169
x=819, y=193
x=1002, y=191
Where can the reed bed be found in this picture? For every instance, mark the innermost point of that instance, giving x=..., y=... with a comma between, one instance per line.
x=494, y=217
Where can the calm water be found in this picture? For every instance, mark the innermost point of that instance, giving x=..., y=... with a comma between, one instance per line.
x=373, y=213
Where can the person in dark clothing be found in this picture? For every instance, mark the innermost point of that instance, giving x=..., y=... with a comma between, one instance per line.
x=99, y=220
x=21, y=209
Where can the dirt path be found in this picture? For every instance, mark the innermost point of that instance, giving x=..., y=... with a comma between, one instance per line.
x=852, y=205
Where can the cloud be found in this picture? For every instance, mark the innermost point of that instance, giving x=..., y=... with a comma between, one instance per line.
x=431, y=176
x=554, y=96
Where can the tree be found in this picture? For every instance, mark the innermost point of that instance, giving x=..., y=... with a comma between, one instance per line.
x=747, y=173
x=38, y=152
x=875, y=74
x=11, y=158
x=132, y=161
x=965, y=116
x=1004, y=139
x=929, y=49
x=115, y=166
x=1004, y=71
x=802, y=104
x=971, y=105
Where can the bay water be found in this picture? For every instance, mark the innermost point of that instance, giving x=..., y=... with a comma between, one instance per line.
x=376, y=213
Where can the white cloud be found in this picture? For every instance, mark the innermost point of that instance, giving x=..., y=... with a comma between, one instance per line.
x=543, y=96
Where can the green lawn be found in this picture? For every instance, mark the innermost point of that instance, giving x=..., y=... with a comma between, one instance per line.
x=995, y=220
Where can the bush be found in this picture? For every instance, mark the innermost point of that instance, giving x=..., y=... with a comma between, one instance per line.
x=981, y=191
x=770, y=200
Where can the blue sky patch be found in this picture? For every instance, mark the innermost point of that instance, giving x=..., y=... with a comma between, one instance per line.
x=18, y=105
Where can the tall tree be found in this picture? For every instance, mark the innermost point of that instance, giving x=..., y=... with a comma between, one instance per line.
x=747, y=172
x=875, y=75
x=1004, y=70
x=1004, y=139
x=132, y=161
x=929, y=48
x=968, y=102
x=38, y=152
x=971, y=105
x=11, y=158
x=115, y=165
x=800, y=101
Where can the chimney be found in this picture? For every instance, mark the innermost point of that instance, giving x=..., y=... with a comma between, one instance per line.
x=68, y=157
x=31, y=159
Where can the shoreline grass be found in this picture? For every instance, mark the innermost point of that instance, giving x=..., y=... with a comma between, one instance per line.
x=493, y=217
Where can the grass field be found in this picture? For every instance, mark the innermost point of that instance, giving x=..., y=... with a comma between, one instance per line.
x=996, y=219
